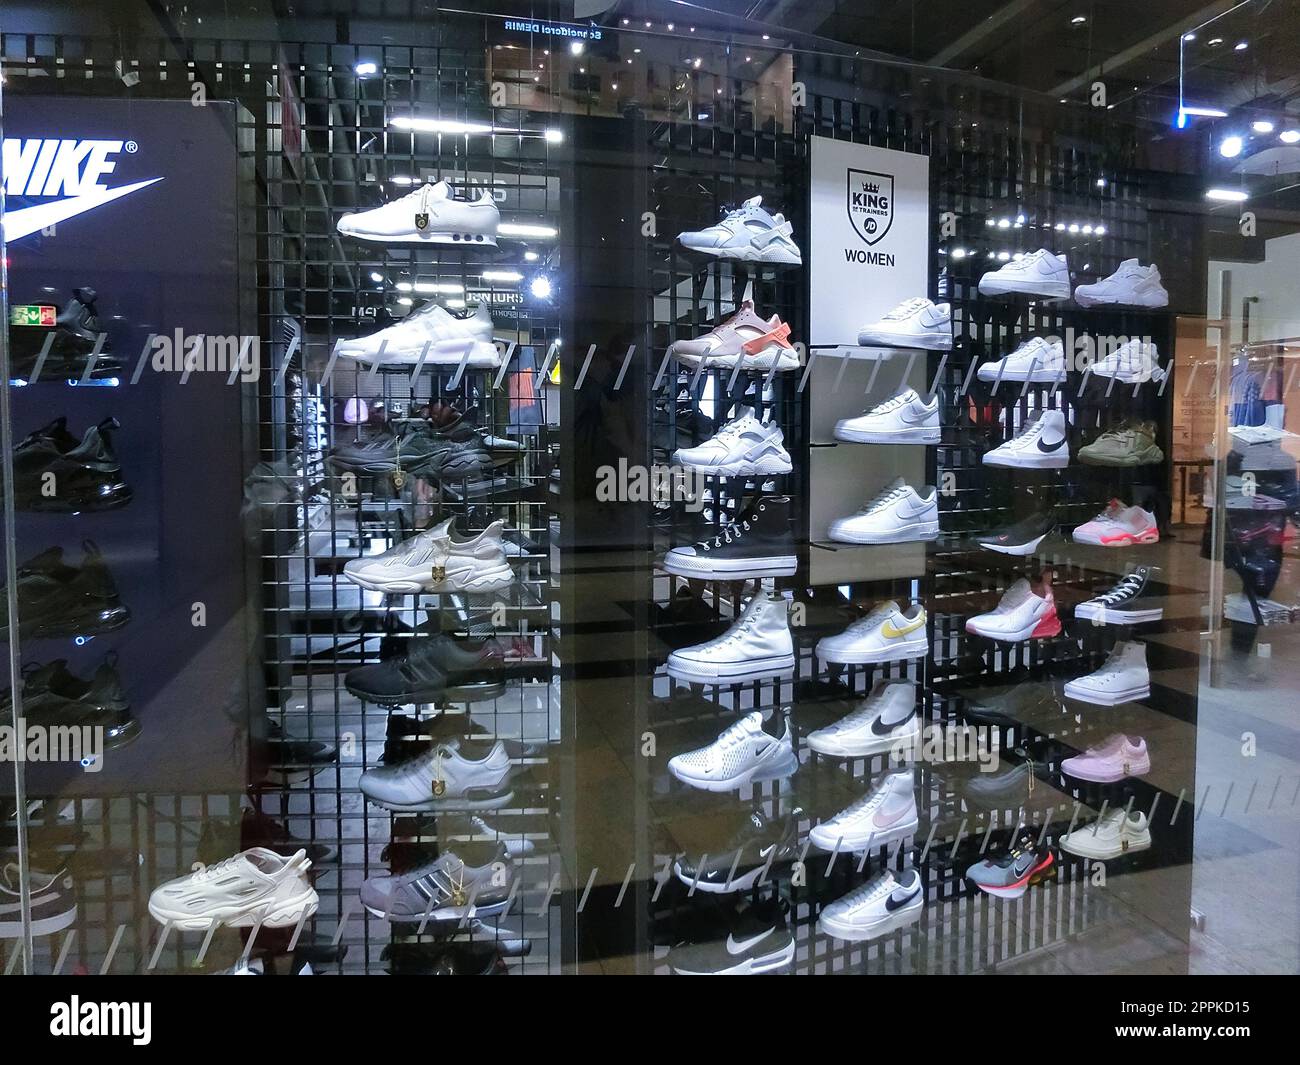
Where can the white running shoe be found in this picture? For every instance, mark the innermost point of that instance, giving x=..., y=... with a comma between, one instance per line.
x=1121, y=679
x=904, y=419
x=747, y=234
x=447, y=337
x=743, y=753
x=743, y=447
x=445, y=777
x=1039, y=273
x=914, y=323
x=1036, y=360
x=746, y=337
x=884, y=904
x=254, y=885
x=884, y=815
x=886, y=634
x=885, y=720
x=1132, y=363
x=1024, y=613
x=1119, y=832
x=1132, y=285
x=428, y=215
x=1119, y=526
x=897, y=515
x=1042, y=444
x=437, y=560
x=758, y=644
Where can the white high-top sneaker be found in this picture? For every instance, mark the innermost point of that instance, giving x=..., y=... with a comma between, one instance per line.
x=742, y=754
x=1121, y=679
x=428, y=215
x=1039, y=273
x=1131, y=363
x=440, y=336
x=885, y=814
x=1041, y=445
x=898, y=514
x=437, y=560
x=904, y=419
x=914, y=323
x=1132, y=285
x=1037, y=360
x=743, y=447
x=758, y=644
x=884, y=721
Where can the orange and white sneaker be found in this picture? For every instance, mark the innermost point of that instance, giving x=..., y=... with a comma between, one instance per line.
x=1026, y=612
x=1119, y=526
x=757, y=343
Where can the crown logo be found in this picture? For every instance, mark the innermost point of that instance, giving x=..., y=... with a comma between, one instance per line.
x=870, y=186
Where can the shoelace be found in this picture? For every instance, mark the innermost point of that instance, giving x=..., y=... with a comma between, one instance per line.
x=732, y=736
x=875, y=888
x=900, y=400
x=732, y=533
x=1126, y=588
x=212, y=871
x=863, y=804
x=732, y=635
x=906, y=309
x=1027, y=433
x=890, y=495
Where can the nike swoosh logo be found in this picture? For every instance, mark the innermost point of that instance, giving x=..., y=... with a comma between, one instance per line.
x=1050, y=447
x=879, y=728
x=27, y=220
x=881, y=821
x=891, y=631
x=739, y=947
x=1020, y=870
x=895, y=903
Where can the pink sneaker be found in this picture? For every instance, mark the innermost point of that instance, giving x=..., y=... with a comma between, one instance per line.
x=1118, y=757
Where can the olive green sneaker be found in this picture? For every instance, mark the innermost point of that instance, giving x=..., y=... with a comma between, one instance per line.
x=1128, y=444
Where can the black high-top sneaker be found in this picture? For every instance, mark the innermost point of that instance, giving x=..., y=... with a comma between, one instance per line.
x=1128, y=602
x=757, y=544
x=75, y=331
x=55, y=471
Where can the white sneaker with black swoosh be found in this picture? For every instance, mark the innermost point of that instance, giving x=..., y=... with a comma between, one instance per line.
x=882, y=905
x=1043, y=444
x=884, y=815
x=886, y=719
x=914, y=323
x=903, y=419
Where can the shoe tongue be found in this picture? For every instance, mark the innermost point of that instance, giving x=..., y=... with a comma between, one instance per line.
x=1129, y=264
x=883, y=610
x=1016, y=594
x=439, y=191
x=753, y=201
x=752, y=724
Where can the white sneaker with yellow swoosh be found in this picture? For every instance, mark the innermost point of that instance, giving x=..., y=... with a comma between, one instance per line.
x=884, y=815
x=887, y=634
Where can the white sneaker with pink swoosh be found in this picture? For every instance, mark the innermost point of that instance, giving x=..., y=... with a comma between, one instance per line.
x=885, y=814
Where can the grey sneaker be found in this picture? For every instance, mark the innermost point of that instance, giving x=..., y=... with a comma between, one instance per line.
x=444, y=890
x=448, y=776
x=1009, y=875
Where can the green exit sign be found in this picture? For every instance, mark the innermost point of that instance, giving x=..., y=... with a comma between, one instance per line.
x=32, y=314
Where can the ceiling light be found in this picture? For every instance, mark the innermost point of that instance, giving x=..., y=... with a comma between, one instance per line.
x=366, y=68
x=614, y=86
x=435, y=287
x=402, y=179
x=1101, y=183
x=404, y=286
x=1003, y=256
x=1230, y=147
x=1088, y=228
x=1214, y=42
x=554, y=136
x=1262, y=126
x=530, y=256
x=405, y=301
x=455, y=305
x=501, y=275
x=766, y=37
x=577, y=47
x=636, y=51
x=1289, y=136
x=1189, y=36
x=1078, y=20
x=376, y=277
x=1226, y=195
x=1074, y=227
x=959, y=253
x=540, y=287
x=1060, y=227
x=516, y=229
x=1204, y=112
x=696, y=63
x=670, y=27
x=1240, y=46
x=438, y=125
x=1004, y=223
x=625, y=22
x=703, y=116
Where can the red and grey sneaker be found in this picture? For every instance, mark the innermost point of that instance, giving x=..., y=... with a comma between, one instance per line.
x=1008, y=876
x=1026, y=612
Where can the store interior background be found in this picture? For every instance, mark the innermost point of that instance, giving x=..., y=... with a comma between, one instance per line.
x=1245, y=877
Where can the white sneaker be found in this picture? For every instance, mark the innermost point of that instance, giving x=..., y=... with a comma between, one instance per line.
x=1132, y=363
x=887, y=634
x=1039, y=273
x=437, y=560
x=742, y=753
x=447, y=338
x=428, y=215
x=897, y=515
x=1121, y=679
x=883, y=904
x=904, y=419
x=914, y=323
x=758, y=644
x=1132, y=285
x=1117, y=833
x=1119, y=526
x=885, y=814
x=1036, y=360
x=1025, y=613
x=743, y=447
x=254, y=885
x=1042, y=444
x=747, y=234
x=884, y=721
x=746, y=337
x=445, y=777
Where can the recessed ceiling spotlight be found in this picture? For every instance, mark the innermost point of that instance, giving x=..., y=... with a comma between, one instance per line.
x=1101, y=183
x=540, y=287
x=1189, y=36
x=366, y=68
x=577, y=47
x=766, y=37
x=1230, y=147
x=1289, y=136
x=1241, y=46
x=625, y=22
x=1226, y=195
x=1262, y=125
x=1100, y=231
x=1078, y=20
x=1214, y=42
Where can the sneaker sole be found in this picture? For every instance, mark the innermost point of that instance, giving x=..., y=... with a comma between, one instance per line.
x=748, y=254
x=1083, y=695
x=1042, y=871
x=1019, y=550
x=1116, y=615
x=284, y=914
x=492, y=580
x=731, y=672
x=742, y=467
x=459, y=804
x=925, y=342
x=901, y=652
x=867, y=748
x=731, y=568
x=1106, y=855
x=1047, y=625
x=1039, y=377
x=1048, y=290
x=1146, y=458
x=741, y=882
x=1034, y=461
x=917, y=532
x=765, y=963
x=899, y=436
x=461, y=239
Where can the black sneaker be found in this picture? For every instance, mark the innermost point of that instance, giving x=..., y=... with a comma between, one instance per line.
x=757, y=941
x=291, y=760
x=757, y=848
x=54, y=696
x=458, y=451
x=404, y=447
x=55, y=471
x=1021, y=537
x=1034, y=704
x=56, y=600
x=75, y=329
x=426, y=670
x=1128, y=602
x=757, y=544
x=53, y=901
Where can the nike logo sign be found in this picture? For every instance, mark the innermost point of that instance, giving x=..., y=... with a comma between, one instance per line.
x=27, y=220
x=735, y=946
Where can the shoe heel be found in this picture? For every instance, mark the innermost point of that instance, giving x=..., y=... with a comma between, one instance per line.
x=1049, y=625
